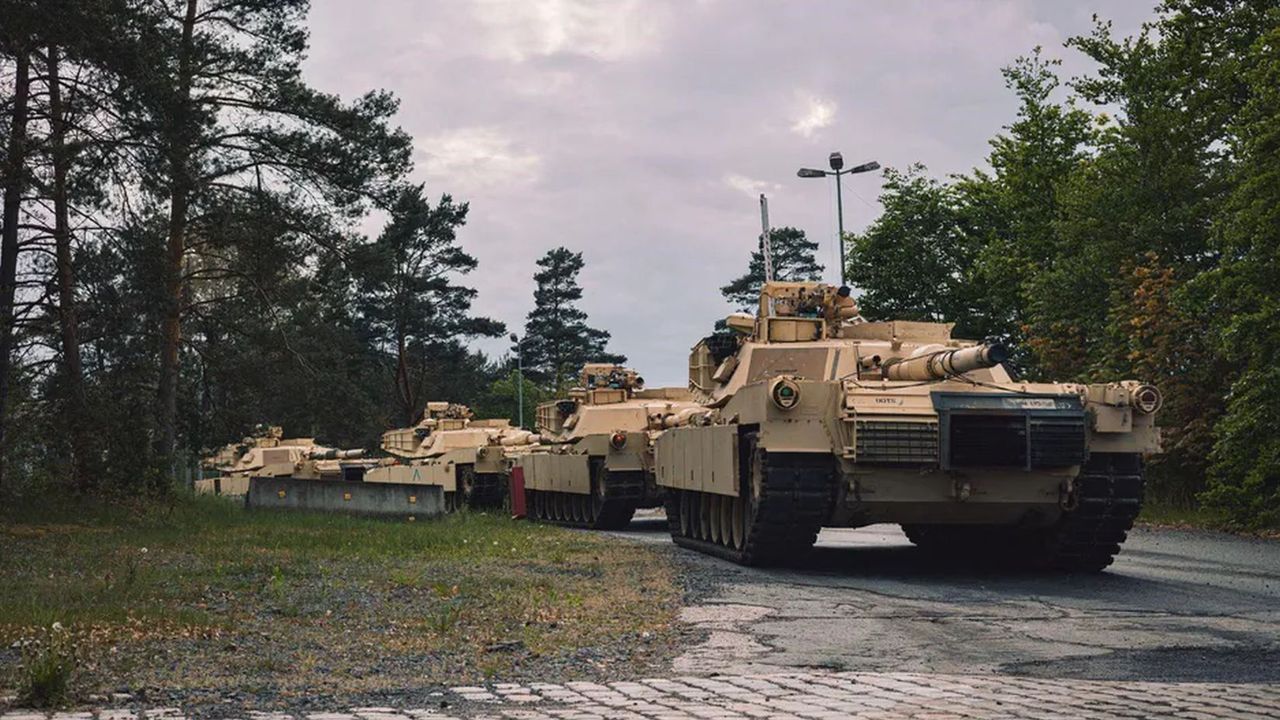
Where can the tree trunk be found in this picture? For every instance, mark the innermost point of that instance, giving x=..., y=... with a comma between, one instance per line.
x=179, y=199
x=73, y=376
x=9, y=235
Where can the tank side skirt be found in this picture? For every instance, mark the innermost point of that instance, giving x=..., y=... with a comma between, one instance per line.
x=783, y=501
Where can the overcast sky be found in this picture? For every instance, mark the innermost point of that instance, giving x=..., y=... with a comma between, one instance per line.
x=641, y=132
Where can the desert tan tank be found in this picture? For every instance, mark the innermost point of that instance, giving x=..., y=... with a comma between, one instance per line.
x=595, y=467
x=821, y=419
x=267, y=453
x=468, y=458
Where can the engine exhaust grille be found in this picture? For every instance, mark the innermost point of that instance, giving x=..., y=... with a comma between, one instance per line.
x=907, y=443
x=1057, y=442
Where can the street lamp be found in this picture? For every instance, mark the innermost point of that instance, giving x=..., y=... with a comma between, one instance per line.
x=836, y=160
x=519, y=383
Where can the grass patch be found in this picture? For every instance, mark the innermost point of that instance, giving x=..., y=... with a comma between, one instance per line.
x=1181, y=516
x=199, y=595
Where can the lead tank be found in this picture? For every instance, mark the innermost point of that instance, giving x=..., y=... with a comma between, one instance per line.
x=820, y=419
x=595, y=467
x=466, y=457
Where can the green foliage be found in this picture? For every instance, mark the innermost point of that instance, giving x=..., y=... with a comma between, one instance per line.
x=1245, y=469
x=557, y=340
x=915, y=262
x=793, y=260
x=501, y=398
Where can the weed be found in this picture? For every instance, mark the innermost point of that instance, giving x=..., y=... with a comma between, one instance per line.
x=447, y=610
x=47, y=664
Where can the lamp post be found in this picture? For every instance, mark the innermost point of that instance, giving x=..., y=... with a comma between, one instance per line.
x=836, y=160
x=520, y=382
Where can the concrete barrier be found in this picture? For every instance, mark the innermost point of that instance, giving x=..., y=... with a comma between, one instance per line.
x=382, y=499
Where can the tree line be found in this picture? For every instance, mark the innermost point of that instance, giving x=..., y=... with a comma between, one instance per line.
x=180, y=258
x=1127, y=225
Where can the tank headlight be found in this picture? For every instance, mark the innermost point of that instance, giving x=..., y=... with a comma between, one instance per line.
x=785, y=394
x=618, y=440
x=1146, y=399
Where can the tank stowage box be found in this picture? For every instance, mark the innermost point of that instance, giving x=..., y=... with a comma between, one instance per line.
x=595, y=467
x=819, y=418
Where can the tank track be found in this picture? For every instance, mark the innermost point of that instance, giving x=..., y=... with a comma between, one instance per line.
x=779, y=526
x=610, y=506
x=488, y=490
x=1107, y=498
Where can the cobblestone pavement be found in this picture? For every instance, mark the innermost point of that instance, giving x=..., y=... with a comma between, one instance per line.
x=886, y=696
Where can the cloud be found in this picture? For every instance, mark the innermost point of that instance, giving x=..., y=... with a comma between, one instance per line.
x=477, y=158
x=750, y=186
x=816, y=113
x=522, y=29
x=642, y=131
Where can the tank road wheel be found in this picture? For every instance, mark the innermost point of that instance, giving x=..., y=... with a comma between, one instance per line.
x=740, y=508
x=579, y=508
x=681, y=500
x=451, y=502
x=717, y=529
x=726, y=520
x=782, y=502
x=1108, y=496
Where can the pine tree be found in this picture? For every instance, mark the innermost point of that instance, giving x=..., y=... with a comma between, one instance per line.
x=226, y=113
x=557, y=340
x=409, y=301
x=793, y=260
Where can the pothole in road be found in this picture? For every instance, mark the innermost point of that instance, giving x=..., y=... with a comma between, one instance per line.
x=1247, y=664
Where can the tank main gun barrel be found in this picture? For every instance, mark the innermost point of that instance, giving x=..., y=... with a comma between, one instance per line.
x=942, y=364
x=335, y=454
x=520, y=437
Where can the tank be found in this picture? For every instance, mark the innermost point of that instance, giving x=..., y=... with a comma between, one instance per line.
x=267, y=453
x=821, y=419
x=468, y=458
x=595, y=466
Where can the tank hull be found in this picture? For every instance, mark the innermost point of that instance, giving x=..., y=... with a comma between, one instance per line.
x=1014, y=457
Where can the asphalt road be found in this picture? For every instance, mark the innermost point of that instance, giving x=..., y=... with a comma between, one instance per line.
x=1177, y=606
